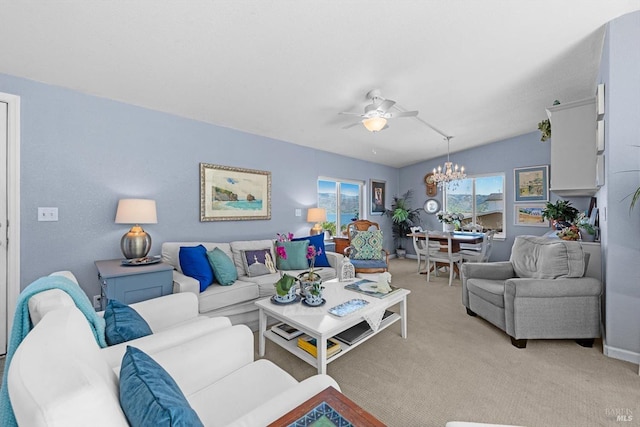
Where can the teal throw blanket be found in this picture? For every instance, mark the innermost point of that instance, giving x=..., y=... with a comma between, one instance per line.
x=22, y=325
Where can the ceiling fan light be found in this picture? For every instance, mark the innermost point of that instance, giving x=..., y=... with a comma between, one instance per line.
x=374, y=124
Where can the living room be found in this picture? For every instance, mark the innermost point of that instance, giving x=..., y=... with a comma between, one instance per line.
x=82, y=153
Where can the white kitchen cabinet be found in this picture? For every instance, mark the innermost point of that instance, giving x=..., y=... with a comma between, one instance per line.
x=574, y=148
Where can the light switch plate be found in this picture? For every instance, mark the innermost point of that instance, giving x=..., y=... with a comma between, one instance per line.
x=47, y=214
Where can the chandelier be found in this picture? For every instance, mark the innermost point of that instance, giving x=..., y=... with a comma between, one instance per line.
x=450, y=173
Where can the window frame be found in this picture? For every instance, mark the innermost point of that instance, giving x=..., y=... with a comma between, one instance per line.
x=500, y=235
x=361, y=189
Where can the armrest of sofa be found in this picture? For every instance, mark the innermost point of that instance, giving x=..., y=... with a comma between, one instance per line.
x=335, y=259
x=282, y=403
x=552, y=288
x=198, y=363
x=168, y=310
x=501, y=270
x=184, y=283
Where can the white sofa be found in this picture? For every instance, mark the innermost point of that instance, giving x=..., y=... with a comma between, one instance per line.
x=236, y=301
x=59, y=376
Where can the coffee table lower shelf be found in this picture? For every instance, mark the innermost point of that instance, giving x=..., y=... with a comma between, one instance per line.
x=292, y=345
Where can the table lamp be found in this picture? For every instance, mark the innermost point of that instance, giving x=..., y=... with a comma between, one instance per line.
x=136, y=243
x=316, y=215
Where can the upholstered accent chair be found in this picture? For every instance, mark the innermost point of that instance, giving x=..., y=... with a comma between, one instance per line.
x=365, y=249
x=540, y=293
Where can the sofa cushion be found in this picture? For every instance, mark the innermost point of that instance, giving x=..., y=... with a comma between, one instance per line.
x=149, y=396
x=194, y=263
x=248, y=245
x=123, y=323
x=488, y=290
x=171, y=251
x=367, y=245
x=543, y=258
x=318, y=242
x=223, y=268
x=296, y=255
x=216, y=296
x=257, y=262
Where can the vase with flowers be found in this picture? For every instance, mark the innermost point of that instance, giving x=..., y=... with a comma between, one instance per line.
x=286, y=286
x=450, y=221
x=310, y=281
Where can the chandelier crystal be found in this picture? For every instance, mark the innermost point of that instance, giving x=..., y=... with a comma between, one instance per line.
x=450, y=173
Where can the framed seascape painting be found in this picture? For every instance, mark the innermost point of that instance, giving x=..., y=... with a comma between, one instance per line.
x=531, y=184
x=378, y=193
x=234, y=194
x=530, y=214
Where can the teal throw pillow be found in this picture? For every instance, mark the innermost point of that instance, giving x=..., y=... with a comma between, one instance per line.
x=296, y=255
x=367, y=244
x=149, y=396
x=194, y=263
x=123, y=323
x=223, y=267
x=318, y=242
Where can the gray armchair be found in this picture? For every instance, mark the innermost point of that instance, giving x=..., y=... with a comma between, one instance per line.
x=540, y=293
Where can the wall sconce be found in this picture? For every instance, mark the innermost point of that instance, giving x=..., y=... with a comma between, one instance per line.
x=136, y=243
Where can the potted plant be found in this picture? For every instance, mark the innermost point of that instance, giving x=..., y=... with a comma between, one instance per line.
x=545, y=126
x=404, y=217
x=587, y=231
x=561, y=213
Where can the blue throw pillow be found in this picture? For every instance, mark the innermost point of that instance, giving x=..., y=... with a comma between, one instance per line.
x=123, y=323
x=317, y=241
x=194, y=263
x=223, y=268
x=149, y=396
x=296, y=256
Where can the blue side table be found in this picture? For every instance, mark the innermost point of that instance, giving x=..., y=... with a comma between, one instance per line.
x=131, y=284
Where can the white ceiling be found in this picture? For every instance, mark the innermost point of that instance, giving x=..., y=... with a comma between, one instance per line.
x=481, y=71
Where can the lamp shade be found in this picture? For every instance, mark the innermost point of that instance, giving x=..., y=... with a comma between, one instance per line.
x=374, y=124
x=136, y=211
x=316, y=215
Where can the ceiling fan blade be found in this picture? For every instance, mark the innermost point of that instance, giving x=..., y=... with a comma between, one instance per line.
x=404, y=114
x=349, y=113
x=351, y=125
x=385, y=105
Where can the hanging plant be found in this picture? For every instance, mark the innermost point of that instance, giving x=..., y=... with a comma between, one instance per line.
x=545, y=126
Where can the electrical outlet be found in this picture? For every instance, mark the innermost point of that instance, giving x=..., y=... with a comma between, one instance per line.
x=97, y=302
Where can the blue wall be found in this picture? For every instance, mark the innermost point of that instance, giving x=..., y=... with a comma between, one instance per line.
x=82, y=153
x=620, y=71
x=499, y=157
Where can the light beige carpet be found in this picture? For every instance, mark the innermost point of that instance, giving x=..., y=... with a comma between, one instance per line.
x=456, y=367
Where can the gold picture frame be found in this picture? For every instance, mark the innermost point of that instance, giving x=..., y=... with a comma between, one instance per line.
x=234, y=194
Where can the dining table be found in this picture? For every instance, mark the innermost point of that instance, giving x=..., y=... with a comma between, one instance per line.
x=457, y=238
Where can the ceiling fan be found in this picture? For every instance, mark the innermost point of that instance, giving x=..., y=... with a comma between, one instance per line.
x=376, y=114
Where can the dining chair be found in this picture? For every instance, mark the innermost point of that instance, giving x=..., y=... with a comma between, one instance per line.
x=445, y=256
x=421, y=247
x=482, y=255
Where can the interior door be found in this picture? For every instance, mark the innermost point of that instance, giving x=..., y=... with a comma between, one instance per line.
x=4, y=120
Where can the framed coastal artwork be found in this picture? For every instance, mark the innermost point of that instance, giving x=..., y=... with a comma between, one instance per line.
x=531, y=184
x=378, y=193
x=530, y=214
x=234, y=194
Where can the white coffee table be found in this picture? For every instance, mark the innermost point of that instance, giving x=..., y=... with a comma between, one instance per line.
x=320, y=324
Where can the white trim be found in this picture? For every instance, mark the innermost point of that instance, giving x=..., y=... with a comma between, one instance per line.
x=621, y=354
x=13, y=204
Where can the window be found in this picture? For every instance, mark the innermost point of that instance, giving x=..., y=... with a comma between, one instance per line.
x=481, y=200
x=342, y=200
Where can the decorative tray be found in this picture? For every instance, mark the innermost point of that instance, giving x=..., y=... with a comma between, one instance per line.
x=348, y=307
x=293, y=301
x=142, y=261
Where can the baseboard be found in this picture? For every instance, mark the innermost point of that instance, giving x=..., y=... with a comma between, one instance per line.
x=621, y=354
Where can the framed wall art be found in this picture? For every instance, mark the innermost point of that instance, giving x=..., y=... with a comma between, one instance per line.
x=378, y=193
x=530, y=214
x=234, y=194
x=531, y=184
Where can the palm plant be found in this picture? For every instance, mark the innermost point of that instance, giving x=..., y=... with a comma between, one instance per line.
x=403, y=216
